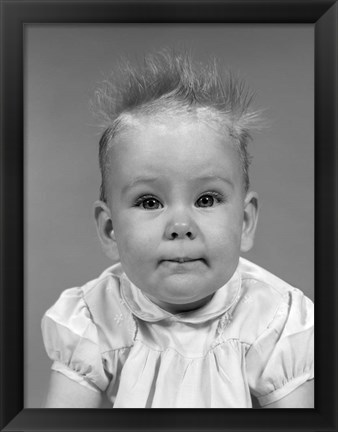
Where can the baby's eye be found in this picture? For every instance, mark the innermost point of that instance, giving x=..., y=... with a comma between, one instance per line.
x=208, y=200
x=151, y=204
x=148, y=203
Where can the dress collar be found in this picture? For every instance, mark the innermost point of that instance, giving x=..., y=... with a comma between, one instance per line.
x=146, y=310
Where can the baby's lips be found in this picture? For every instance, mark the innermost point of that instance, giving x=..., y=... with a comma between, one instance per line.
x=182, y=258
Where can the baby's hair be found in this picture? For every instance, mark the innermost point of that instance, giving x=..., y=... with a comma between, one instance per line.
x=167, y=83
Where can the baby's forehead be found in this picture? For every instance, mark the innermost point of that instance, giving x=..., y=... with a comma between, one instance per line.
x=168, y=131
x=172, y=144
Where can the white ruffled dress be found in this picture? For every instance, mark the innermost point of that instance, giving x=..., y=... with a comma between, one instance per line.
x=255, y=337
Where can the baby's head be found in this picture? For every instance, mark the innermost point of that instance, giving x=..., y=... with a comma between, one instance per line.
x=175, y=196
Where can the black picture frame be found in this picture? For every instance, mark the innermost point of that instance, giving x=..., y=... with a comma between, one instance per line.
x=14, y=15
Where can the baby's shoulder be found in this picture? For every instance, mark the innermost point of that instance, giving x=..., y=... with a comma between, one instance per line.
x=103, y=294
x=256, y=281
x=264, y=300
x=98, y=304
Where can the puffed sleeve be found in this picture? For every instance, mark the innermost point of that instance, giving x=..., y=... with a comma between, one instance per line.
x=71, y=341
x=282, y=357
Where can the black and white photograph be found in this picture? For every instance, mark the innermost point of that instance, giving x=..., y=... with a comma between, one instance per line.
x=170, y=216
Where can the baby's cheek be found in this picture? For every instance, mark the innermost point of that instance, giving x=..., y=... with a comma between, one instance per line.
x=225, y=241
x=138, y=257
x=136, y=244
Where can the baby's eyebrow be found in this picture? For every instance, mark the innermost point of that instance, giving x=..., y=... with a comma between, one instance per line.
x=139, y=180
x=145, y=179
x=212, y=177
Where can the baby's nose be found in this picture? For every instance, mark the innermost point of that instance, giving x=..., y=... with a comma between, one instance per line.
x=181, y=230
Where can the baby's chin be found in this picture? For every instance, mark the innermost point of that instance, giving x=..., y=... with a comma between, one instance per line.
x=183, y=306
x=181, y=298
x=180, y=292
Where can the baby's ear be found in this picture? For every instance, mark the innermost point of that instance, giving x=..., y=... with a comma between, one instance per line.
x=105, y=231
x=249, y=221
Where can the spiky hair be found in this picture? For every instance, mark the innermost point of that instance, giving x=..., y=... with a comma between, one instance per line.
x=172, y=83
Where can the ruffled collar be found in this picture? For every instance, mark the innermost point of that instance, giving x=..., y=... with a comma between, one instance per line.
x=146, y=310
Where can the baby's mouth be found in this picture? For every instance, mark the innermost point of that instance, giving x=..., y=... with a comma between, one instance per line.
x=184, y=261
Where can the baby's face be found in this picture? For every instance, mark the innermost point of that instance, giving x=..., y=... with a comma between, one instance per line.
x=175, y=193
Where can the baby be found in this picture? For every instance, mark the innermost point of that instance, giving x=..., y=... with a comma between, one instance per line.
x=181, y=321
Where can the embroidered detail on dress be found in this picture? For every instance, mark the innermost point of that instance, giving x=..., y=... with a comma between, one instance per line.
x=222, y=324
x=246, y=299
x=282, y=311
x=118, y=318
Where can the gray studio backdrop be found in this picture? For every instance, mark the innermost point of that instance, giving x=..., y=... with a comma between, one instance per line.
x=64, y=64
